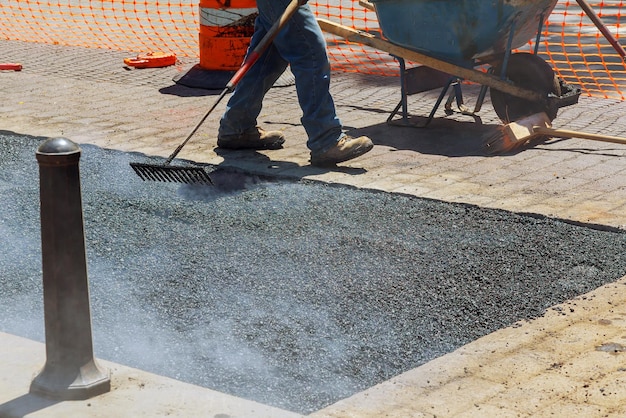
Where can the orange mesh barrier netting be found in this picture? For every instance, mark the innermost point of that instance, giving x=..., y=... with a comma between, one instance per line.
x=571, y=41
x=580, y=53
x=115, y=24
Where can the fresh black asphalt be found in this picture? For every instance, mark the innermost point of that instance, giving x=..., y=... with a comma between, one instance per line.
x=294, y=294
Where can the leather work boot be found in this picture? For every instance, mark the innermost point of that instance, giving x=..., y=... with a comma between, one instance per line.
x=346, y=149
x=253, y=139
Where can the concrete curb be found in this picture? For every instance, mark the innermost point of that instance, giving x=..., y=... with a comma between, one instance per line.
x=134, y=393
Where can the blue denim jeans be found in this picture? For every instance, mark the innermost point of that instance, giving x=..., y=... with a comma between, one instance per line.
x=300, y=44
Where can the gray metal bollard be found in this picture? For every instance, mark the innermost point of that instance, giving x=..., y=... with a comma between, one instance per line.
x=70, y=372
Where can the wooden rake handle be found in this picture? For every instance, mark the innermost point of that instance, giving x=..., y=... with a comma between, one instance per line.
x=565, y=133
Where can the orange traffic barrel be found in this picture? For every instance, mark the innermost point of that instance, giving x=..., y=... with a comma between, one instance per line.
x=226, y=27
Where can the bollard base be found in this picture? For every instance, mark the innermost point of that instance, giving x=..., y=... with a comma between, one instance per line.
x=71, y=385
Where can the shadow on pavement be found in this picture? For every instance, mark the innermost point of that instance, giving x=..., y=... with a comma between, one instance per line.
x=443, y=136
x=25, y=405
x=184, y=91
x=264, y=164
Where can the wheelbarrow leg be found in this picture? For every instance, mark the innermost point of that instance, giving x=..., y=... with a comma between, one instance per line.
x=457, y=93
x=412, y=81
x=403, y=97
x=403, y=103
x=439, y=100
x=405, y=121
x=481, y=96
x=539, y=29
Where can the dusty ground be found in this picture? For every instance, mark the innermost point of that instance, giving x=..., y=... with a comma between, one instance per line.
x=295, y=294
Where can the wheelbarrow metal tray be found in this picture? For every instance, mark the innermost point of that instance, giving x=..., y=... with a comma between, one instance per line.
x=461, y=30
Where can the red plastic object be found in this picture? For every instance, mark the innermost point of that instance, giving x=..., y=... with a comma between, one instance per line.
x=11, y=66
x=151, y=60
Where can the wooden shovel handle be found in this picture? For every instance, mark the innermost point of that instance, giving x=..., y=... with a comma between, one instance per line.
x=565, y=133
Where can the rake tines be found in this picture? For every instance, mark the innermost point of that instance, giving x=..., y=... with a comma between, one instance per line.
x=172, y=174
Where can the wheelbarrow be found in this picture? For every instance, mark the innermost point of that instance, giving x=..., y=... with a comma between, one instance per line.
x=473, y=40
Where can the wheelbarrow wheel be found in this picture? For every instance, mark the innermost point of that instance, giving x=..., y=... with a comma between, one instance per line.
x=531, y=72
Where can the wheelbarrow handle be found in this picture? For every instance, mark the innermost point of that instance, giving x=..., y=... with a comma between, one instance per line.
x=470, y=74
x=254, y=55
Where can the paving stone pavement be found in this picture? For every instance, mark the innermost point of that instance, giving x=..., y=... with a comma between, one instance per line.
x=88, y=96
x=553, y=366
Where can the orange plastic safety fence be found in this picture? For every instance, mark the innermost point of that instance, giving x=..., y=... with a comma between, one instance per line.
x=128, y=25
x=580, y=53
x=351, y=57
x=571, y=42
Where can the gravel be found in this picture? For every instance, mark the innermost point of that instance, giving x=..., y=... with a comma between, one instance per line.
x=293, y=294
